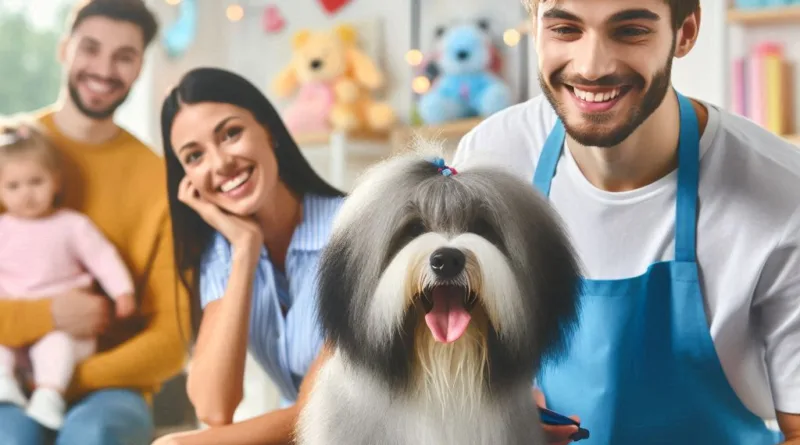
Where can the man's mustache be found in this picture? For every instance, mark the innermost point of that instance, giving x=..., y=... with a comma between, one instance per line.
x=611, y=80
x=113, y=81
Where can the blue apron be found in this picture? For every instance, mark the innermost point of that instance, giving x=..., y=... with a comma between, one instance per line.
x=642, y=368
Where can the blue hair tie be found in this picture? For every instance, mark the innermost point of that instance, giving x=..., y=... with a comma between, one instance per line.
x=442, y=167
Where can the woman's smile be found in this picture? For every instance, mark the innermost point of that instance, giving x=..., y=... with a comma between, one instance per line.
x=238, y=185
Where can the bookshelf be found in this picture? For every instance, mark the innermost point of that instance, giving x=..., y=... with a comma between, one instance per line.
x=764, y=16
x=758, y=35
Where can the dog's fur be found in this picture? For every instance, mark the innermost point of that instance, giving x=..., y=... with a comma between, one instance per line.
x=389, y=382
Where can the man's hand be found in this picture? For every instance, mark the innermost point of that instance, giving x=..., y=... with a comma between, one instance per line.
x=555, y=435
x=81, y=313
x=790, y=427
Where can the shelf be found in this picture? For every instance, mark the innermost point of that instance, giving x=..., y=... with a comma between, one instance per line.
x=323, y=138
x=403, y=135
x=765, y=16
x=341, y=148
x=455, y=128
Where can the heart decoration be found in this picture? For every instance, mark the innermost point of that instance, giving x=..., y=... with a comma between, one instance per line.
x=332, y=6
x=272, y=20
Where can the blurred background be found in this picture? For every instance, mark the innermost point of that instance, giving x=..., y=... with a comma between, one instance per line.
x=746, y=60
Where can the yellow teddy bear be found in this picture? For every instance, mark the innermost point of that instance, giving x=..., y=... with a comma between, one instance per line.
x=333, y=81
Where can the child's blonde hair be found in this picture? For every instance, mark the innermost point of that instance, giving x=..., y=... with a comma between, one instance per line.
x=21, y=137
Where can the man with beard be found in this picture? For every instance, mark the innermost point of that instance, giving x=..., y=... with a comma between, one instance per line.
x=120, y=184
x=687, y=224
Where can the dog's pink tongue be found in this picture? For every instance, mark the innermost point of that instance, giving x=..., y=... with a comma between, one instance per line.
x=448, y=319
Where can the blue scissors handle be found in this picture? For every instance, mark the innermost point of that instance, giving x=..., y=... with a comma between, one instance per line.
x=549, y=417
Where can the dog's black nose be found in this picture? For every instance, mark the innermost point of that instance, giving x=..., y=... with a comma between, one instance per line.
x=462, y=55
x=447, y=262
x=316, y=64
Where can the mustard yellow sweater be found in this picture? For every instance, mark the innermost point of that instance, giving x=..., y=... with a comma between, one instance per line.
x=121, y=186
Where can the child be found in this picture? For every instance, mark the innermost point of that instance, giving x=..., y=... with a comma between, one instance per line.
x=47, y=251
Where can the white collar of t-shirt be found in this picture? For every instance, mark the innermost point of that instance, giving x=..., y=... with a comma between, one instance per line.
x=649, y=190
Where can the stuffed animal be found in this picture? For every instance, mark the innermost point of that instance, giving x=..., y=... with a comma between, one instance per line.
x=465, y=80
x=333, y=81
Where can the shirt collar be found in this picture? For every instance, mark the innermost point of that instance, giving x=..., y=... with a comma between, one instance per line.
x=314, y=230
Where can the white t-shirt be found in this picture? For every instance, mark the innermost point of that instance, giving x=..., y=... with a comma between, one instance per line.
x=748, y=239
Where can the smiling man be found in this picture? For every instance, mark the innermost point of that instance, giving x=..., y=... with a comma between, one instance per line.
x=686, y=219
x=120, y=184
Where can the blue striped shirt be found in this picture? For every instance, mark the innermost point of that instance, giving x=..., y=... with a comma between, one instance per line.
x=283, y=346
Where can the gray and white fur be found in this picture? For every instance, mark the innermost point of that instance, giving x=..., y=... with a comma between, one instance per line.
x=389, y=381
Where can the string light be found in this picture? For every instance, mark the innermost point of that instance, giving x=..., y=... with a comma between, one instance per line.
x=511, y=37
x=420, y=84
x=173, y=2
x=234, y=12
x=414, y=57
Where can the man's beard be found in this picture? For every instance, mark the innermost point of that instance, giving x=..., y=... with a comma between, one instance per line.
x=88, y=112
x=591, y=137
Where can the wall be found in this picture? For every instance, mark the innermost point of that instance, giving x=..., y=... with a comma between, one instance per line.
x=702, y=73
x=265, y=55
x=141, y=113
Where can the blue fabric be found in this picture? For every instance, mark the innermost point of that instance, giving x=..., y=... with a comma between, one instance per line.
x=286, y=346
x=105, y=417
x=642, y=367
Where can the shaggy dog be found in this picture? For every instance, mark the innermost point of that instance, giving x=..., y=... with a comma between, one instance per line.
x=440, y=293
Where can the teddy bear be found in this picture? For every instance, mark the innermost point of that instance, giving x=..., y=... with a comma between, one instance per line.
x=465, y=80
x=333, y=81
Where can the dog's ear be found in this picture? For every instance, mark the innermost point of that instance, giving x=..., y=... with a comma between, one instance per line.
x=333, y=293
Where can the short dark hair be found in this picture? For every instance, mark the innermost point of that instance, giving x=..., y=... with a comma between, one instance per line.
x=680, y=9
x=131, y=11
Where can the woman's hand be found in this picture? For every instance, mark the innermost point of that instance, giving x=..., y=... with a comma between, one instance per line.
x=173, y=439
x=239, y=231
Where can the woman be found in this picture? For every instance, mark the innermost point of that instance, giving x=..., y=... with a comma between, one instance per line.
x=250, y=219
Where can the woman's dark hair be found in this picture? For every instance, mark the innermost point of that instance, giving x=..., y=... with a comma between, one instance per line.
x=191, y=234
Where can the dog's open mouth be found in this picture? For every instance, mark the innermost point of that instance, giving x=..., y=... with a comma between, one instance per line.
x=447, y=310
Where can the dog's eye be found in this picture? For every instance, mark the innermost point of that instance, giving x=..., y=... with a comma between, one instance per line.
x=485, y=230
x=413, y=229
x=480, y=227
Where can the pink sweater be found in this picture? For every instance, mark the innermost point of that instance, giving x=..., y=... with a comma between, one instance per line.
x=55, y=254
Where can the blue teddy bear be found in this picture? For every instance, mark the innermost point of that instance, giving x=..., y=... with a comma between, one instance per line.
x=464, y=86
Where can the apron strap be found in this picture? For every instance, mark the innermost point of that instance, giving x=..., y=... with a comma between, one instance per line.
x=548, y=160
x=688, y=175
x=688, y=182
